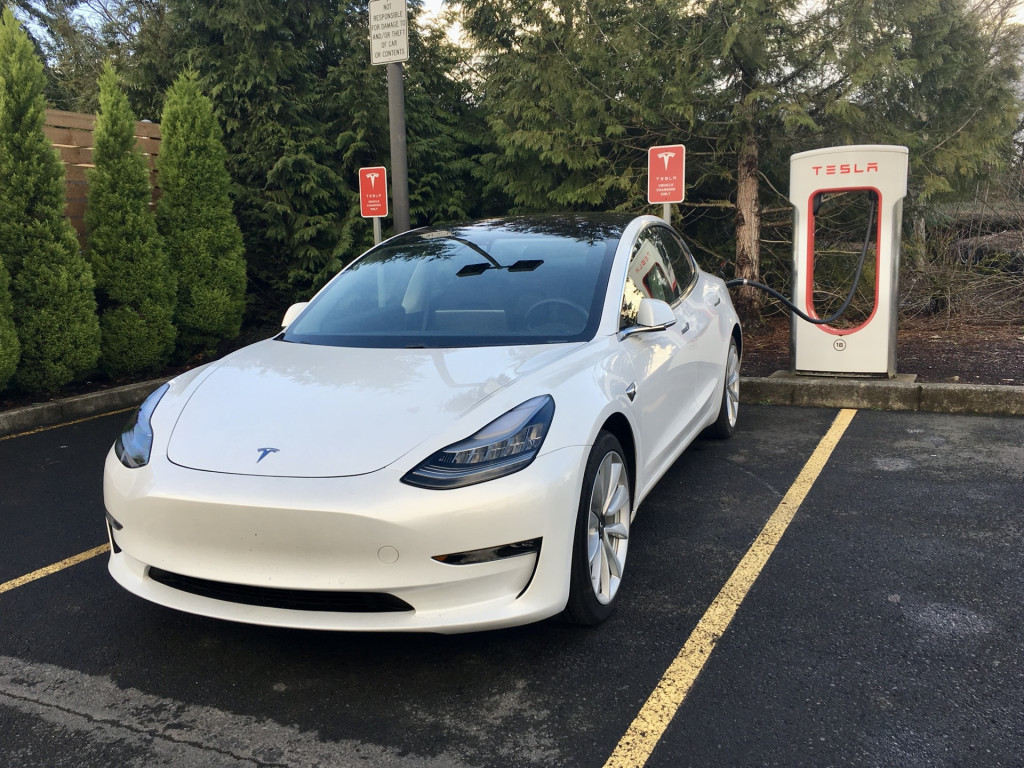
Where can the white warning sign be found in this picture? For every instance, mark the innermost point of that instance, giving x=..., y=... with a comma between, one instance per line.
x=389, y=31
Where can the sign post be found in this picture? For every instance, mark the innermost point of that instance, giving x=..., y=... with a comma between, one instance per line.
x=373, y=196
x=389, y=45
x=666, y=172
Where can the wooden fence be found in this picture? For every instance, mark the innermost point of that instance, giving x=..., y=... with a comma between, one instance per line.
x=71, y=133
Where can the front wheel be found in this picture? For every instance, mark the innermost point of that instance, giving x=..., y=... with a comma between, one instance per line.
x=602, y=534
x=729, y=410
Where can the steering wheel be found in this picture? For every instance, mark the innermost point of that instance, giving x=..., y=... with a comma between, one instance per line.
x=559, y=315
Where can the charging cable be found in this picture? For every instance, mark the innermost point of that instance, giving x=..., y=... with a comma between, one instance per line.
x=849, y=297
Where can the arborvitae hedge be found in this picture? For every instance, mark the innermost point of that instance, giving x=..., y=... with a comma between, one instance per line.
x=135, y=287
x=10, y=349
x=51, y=287
x=265, y=66
x=194, y=217
x=303, y=109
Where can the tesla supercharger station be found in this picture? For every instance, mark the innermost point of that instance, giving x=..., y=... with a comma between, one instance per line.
x=868, y=346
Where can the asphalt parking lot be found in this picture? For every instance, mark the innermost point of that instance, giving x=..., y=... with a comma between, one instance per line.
x=883, y=626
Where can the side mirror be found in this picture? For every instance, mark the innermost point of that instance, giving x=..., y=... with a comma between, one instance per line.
x=652, y=315
x=655, y=314
x=293, y=311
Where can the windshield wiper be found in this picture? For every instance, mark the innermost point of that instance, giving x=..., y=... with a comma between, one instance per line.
x=470, y=270
x=526, y=265
x=523, y=265
x=473, y=269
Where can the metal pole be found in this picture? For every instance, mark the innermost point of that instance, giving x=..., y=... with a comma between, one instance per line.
x=399, y=161
x=666, y=213
x=376, y=230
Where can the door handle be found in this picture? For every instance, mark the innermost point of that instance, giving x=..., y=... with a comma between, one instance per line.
x=684, y=329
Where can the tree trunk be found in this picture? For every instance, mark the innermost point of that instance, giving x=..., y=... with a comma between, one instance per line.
x=748, y=224
x=920, y=243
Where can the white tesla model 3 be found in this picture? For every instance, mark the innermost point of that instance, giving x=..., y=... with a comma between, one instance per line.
x=453, y=435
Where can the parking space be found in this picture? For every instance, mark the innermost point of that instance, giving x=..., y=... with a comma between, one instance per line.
x=885, y=629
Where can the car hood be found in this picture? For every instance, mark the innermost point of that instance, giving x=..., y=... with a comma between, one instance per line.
x=298, y=410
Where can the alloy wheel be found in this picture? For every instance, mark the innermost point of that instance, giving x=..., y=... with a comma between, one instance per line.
x=732, y=385
x=608, y=528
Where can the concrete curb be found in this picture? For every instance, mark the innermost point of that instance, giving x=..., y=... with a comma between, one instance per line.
x=18, y=420
x=778, y=389
x=883, y=395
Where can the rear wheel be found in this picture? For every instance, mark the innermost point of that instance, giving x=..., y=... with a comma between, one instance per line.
x=602, y=534
x=729, y=411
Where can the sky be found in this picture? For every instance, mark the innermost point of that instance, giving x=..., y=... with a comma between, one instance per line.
x=432, y=6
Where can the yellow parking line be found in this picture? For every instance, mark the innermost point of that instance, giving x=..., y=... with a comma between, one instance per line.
x=51, y=569
x=646, y=730
x=65, y=424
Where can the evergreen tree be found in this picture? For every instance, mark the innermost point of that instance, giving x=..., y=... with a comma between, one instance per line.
x=135, y=286
x=202, y=238
x=148, y=66
x=10, y=349
x=446, y=132
x=577, y=90
x=302, y=109
x=765, y=56
x=51, y=284
x=443, y=127
x=938, y=76
x=75, y=37
x=72, y=52
x=263, y=65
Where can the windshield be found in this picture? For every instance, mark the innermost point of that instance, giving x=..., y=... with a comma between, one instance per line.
x=472, y=286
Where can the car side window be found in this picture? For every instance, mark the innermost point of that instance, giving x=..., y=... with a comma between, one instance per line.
x=660, y=267
x=679, y=257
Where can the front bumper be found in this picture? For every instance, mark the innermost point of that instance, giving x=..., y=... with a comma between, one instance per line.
x=369, y=535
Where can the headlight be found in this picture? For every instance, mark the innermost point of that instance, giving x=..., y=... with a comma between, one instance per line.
x=506, y=445
x=135, y=442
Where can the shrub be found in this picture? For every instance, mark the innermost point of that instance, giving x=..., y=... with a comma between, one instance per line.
x=194, y=217
x=51, y=286
x=135, y=288
x=10, y=349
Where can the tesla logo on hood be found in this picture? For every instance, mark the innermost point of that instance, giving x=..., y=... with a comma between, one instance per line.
x=264, y=452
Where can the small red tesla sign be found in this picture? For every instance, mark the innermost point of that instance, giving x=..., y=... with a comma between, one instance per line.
x=373, y=192
x=666, y=168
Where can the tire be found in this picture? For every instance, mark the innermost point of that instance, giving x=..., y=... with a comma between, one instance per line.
x=602, y=534
x=729, y=411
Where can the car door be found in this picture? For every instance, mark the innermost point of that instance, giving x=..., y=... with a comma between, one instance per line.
x=698, y=308
x=670, y=364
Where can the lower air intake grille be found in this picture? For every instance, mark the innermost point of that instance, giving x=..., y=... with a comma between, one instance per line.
x=291, y=599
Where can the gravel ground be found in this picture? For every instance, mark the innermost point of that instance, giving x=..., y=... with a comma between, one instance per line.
x=936, y=352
